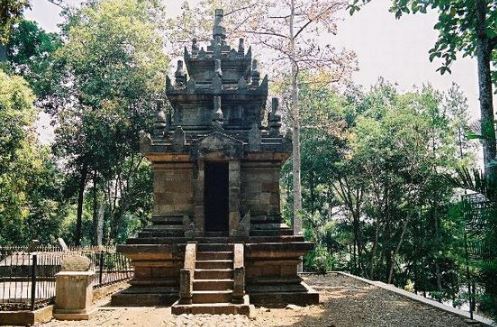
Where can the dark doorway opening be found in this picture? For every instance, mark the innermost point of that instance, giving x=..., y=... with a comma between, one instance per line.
x=216, y=197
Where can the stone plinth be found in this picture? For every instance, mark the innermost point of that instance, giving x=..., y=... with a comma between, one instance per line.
x=74, y=294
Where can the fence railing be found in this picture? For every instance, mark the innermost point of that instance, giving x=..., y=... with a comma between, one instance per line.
x=27, y=276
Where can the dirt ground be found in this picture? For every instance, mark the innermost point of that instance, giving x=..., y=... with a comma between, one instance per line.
x=344, y=302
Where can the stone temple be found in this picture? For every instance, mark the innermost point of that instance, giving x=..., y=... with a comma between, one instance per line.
x=217, y=243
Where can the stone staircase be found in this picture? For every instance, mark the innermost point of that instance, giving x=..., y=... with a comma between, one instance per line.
x=212, y=281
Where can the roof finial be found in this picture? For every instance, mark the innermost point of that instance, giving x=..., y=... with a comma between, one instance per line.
x=218, y=29
x=180, y=74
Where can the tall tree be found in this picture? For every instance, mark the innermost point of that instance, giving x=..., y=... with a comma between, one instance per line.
x=470, y=27
x=115, y=66
x=30, y=194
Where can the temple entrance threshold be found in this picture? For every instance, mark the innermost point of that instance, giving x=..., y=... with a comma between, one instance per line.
x=216, y=197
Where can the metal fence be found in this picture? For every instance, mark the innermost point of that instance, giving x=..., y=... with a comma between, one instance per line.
x=27, y=276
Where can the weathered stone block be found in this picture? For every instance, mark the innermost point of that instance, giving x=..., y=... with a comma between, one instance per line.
x=73, y=295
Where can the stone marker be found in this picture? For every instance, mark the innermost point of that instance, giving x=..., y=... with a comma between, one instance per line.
x=62, y=244
x=74, y=292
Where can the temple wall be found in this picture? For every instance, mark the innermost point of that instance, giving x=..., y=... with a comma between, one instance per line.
x=173, y=189
x=260, y=188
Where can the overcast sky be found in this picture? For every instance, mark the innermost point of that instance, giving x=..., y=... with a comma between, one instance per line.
x=394, y=49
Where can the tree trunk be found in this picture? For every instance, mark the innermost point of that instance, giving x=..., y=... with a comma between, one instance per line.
x=100, y=223
x=437, y=237
x=483, y=55
x=98, y=214
x=396, y=252
x=355, y=222
x=95, y=210
x=3, y=53
x=373, y=250
x=79, y=213
x=297, y=187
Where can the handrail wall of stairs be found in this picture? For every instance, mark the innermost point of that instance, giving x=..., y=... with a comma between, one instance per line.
x=238, y=273
x=186, y=274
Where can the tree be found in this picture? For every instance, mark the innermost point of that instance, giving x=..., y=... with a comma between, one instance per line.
x=10, y=13
x=115, y=64
x=470, y=27
x=30, y=53
x=289, y=33
x=30, y=183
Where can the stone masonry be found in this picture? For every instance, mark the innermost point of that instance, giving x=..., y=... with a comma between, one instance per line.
x=217, y=242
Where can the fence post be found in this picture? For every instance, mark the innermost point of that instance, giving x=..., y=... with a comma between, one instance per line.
x=33, y=281
x=101, y=264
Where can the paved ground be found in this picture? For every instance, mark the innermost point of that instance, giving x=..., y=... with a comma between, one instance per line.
x=345, y=302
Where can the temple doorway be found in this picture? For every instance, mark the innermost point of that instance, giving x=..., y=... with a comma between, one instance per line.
x=216, y=197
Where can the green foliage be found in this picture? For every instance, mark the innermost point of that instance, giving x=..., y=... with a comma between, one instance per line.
x=30, y=53
x=115, y=65
x=319, y=260
x=30, y=183
x=376, y=202
x=10, y=13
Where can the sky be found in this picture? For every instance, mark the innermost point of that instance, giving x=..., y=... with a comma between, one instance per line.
x=395, y=49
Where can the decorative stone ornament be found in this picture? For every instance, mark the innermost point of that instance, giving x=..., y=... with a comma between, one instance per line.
x=180, y=74
x=160, y=119
x=274, y=118
x=256, y=76
x=73, y=289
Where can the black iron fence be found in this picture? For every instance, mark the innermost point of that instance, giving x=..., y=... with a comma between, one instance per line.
x=27, y=276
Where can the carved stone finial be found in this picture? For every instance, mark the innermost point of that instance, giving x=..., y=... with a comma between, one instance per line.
x=180, y=74
x=256, y=76
x=145, y=141
x=241, y=46
x=275, y=103
x=274, y=118
x=179, y=139
x=194, y=46
x=160, y=118
x=217, y=120
x=218, y=29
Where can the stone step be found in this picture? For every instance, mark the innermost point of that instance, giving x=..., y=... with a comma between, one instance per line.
x=214, y=264
x=215, y=255
x=216, y=234
x=154, y=282
x=181, y=239
x=213, y=274
x=208, y=247
x=217, y=239
x=212, y=284
x=277, y=232
x=269, y=226
x=161, y=233
x=163, y=227
x=212, y=308
x=211, y=296
x=173, y=220
x=151, y=289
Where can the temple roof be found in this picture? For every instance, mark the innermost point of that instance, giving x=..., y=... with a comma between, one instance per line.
x=217, y=89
